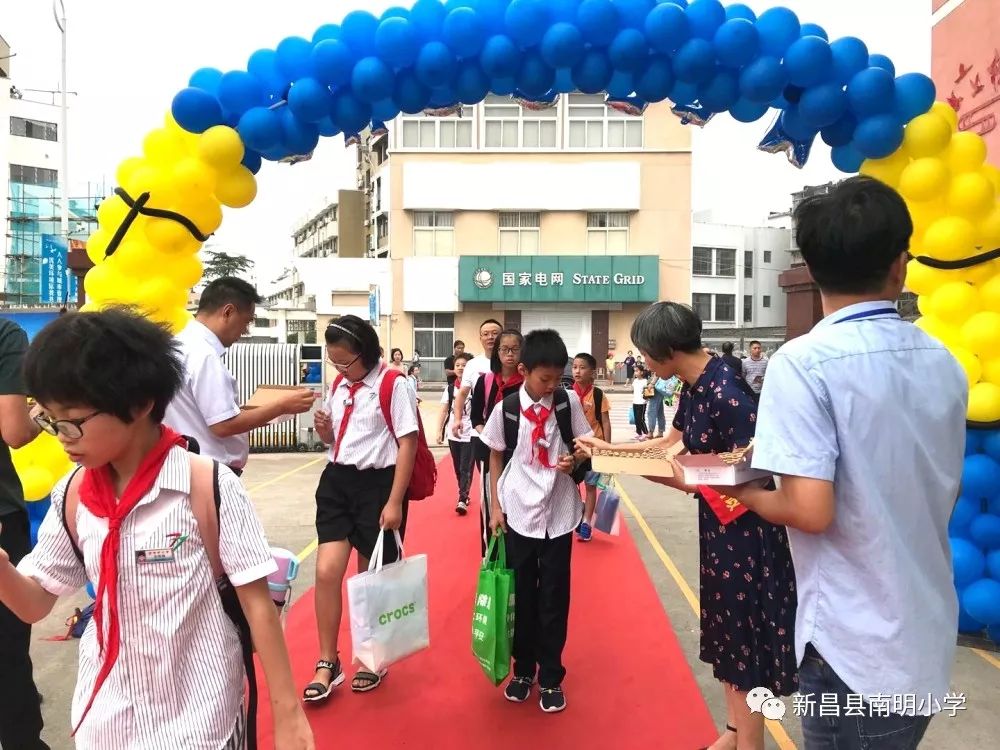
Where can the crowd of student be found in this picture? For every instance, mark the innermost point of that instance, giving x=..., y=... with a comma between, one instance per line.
x=836, y=581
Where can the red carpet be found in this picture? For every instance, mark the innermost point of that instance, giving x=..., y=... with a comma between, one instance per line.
x=628, y=684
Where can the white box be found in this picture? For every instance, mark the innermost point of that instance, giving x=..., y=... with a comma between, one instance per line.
x=708, y=468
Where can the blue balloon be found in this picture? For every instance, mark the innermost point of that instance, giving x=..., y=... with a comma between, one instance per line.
x=962, y=515
x=705, y=17
x=993, y=505
x=327, y=128
x=294, y=55
x=993, y=631
x=763, y=79
x=821, y=106
x=779, y=140
x=526, y=21
x=739, y=10
x=968, y=562
x=326, y=31
x=559, y=10
x=372, y=79
x=394, y=12
x=535, y=78
x=206, y=79
x=593, y=73
x=915, y=94
x=985, y=531
x=492, y=13
x=427, y=17
x=621, y=85
x=814, y=29
x=980, y=477
x=503, y=86
x=628, y=50
x=695, y=61
x=809, y=61
x=309, y=100
x=683, y=93
x=562, y=45
x=983, y=441
x=793, y=124
x=744, y=110
x=348, y=112
x=443, y=97
x=881, y=61
x=264, y=65
x=598, y=21
x=251, y=160
x=656, y=80
x=471, y=84
x=297, y=137
x=564, y=81
x=721, y=93
x=435, y=65
x=847, y=158
x=397, y=41
x=384, y=111
x=333, y=62
x=993, y=564
x=500, y=57
x=736, y=43
x=260, y=129
x=778, y=28
x=871, y=92
x=358, y=32
x=410, y=95
x=667, y=28
x=967, y=623
x=196, y=110
x=239, y=91
x=464, y=32
x=850, y=57
x=981, y=600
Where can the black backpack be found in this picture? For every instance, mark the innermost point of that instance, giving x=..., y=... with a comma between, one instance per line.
x=564, y=420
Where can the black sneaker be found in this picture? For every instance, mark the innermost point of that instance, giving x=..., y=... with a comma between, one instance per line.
x=462, y=508
x=553, y=700
x=518, y=689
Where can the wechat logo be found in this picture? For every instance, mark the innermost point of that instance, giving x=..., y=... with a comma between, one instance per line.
x=762, y=701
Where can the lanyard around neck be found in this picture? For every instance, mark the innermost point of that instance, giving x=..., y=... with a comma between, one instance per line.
x=869, y=314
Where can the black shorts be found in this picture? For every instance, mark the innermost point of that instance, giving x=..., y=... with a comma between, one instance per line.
x=349, y=502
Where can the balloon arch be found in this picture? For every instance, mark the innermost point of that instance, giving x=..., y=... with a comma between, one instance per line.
x=704, y=57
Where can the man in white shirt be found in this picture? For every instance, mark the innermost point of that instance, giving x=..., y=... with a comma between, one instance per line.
x=207, y=405
x=869, y=451
x=478, y=366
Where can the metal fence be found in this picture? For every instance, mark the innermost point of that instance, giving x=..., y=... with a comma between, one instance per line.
x=254, y=365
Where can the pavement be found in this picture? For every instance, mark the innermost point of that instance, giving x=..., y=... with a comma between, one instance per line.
x=662, y=522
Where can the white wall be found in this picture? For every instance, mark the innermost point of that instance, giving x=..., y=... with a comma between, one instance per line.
x=430, y=285
x=323, y=277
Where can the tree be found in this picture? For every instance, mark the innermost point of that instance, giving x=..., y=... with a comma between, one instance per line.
x=219, y=264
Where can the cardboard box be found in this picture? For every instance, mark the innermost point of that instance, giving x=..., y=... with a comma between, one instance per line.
x=646, y=463
x=708, y=468
x=268, y=394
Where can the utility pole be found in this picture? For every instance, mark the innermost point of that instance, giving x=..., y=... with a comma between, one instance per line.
x=59, y=12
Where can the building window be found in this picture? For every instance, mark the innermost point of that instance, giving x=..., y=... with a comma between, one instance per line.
x=453, y=131
x=748, y=308
x=765, y=301
x=519, y=232
x=767, y=256
x=34, y=175
x=506, y=124
x=433, y=334
x=719, y=261
x=702, y=261
x=624, y=130
x=702, y=304
x=43, y=131
x=725, y=308
x=607, y=233
x=725, y=262
x=591, y=124
x=433, y=233
x=748, y=264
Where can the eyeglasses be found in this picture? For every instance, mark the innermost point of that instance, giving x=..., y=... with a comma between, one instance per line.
x=345, y=368
x=506, y=350
x=68, y=428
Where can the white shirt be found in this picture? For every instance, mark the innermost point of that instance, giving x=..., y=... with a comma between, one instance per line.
x=851, y=403
x=209, y=395
x=475, y=368
x=538, y=501
x=638, y=386
x=465, y=434
x=367, y=442
x=178, y=680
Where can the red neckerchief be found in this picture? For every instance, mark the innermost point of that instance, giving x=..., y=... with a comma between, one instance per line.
x=538, y=419
x=583, y=392
x=352, y=390
x=97, y=493
x=503, y=385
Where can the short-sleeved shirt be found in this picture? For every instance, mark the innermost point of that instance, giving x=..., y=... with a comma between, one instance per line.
x=178, y=680
x=13, y=345
x=539, y=501
x=465, y=434
x=590, y=412
x=449, y=364
x=474, y=369
x=851, y=403
x=209, y=395
x=753, y=372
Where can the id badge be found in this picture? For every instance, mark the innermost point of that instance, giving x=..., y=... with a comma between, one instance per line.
x=156, y=555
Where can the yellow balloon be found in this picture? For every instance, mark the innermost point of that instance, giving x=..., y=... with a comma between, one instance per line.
x=162, y=147
x=221, y=147
x=184, y=270
x=111, y=213
x=924, y=214
x=989, y=230
x=889, y=169
x=97, y=245
x=927, y=135
x=980, y=334
x=37, y=482
x=955, y=302
x=191, y=176
x=161, y=293
x=984, y=402
x=966, y=152
x=101, y=281
x=938, y=330
x=971, y=194
x=946, y=112
x=135, y=258
x=924, y=306
x=989, y=295
x=923, y=280
x=154, y=179
x=236, y=188
x=176, y=319
x=969, y=362
x=979, y=273
x=90, y=307
x=992, y=174
x=128, y=168
x=187, y=141
x=924, y=179
x=204, y=211
x=950, y=238
x=990, y=370
x=170, y=236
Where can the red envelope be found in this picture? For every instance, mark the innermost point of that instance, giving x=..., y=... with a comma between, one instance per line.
x=727, y=509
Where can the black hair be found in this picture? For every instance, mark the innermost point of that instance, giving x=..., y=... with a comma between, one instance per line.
x=589, y=359
x=544, y=348
x=113, y=360
x=850, y=237
x=358, y=336
x=458, y=343
x=392, y=354
x=464, y=357
x=756, y=342
x=727, y=348
x=228, y=290
x=491, y=321
x=412, y=369
x=640, y=370
x=667, y=327
x=495, y=364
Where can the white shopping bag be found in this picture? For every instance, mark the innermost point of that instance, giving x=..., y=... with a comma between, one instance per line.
x=388, y=605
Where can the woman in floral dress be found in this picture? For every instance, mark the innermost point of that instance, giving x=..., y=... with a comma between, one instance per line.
x=747, y=579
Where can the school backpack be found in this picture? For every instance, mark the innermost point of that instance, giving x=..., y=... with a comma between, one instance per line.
x=424, y=475
x=564, y=420
x=202, y=473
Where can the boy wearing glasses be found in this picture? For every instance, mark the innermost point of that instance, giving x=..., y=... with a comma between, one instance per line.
x=161, y=664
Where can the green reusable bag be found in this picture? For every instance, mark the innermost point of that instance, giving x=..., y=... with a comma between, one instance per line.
x=493, y=615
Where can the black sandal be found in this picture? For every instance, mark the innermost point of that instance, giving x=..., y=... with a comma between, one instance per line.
x=728, y=729
x=368, y=680
x=316, y=692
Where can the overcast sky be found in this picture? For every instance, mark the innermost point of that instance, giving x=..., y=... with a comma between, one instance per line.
x=127, y=59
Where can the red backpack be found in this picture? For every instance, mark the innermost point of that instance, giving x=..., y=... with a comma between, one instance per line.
x=424, y=475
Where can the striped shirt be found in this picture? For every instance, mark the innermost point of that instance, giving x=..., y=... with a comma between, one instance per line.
x=367, y=443
x=179, y=678
x=753, y=372
x=539, y=502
